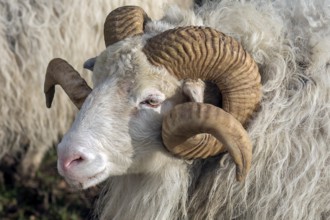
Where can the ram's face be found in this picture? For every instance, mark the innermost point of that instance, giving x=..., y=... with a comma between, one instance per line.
x=118, y=128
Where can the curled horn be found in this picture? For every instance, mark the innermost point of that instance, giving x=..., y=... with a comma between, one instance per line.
x=178, y=127
x=59, y=72
x=126, y=21
x=201, y=52
x=122, y=22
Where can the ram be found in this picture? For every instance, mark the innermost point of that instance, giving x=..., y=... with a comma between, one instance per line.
x=31, y=33
x=147, y=128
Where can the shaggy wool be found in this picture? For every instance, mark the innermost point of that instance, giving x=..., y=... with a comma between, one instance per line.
x=289, y=177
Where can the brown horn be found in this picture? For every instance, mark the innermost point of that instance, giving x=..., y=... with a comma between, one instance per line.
x=61, y=73
x=186, y=121
x=201, y=52
x=126, y=21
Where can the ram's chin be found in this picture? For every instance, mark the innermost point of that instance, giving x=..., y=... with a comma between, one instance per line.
x=87, y=182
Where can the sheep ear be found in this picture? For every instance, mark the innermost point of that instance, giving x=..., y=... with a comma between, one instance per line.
x=89, y=64
x=194, y=90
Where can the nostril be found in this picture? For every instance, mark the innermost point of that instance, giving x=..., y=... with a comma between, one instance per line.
x=73, y=161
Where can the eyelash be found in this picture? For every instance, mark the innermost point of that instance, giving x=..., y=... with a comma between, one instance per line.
x=153, y=103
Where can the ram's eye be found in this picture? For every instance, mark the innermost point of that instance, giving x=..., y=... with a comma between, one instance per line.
x=151, y=102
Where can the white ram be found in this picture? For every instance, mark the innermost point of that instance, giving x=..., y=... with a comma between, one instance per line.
x=118, y=131
x=31, y=33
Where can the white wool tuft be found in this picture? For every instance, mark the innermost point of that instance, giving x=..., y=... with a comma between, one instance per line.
x=289, y=178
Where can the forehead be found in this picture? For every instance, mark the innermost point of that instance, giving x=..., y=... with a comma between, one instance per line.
x=136, y=84
x=131, y=73
x=157, y=81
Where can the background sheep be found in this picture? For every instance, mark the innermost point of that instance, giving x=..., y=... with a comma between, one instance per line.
x=289, y=177
x=31, y=33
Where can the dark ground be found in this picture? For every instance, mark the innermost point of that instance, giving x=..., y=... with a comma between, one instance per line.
x=46, y=196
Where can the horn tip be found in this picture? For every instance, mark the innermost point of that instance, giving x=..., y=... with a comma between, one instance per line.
x=49, y=95
x=240, y=178
x=48, y=104
x=241, y=173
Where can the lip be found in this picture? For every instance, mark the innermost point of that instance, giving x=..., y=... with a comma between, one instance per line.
x=89, y=181
x=97, y=174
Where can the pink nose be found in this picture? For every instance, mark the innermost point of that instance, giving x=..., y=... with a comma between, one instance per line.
x=72, y=161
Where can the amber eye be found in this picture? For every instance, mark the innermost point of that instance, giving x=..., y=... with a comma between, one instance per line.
x=151, y=102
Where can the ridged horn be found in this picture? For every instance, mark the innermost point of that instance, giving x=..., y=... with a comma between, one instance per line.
x=187, y=121
x=59, y=72
x=123, y=22
x=202, y=52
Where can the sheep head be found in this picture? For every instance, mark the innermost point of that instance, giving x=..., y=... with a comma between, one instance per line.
x=143, y=99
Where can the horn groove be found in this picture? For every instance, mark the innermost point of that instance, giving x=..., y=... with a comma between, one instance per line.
x=59, y=72
x=124, y=22
x=201, y=52
x=189, y=120
x=204, y=53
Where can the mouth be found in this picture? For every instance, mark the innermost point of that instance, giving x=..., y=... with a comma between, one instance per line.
x=89, y=181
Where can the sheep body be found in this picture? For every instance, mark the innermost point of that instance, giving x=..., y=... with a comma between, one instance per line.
x=31, y=34
x=289, y=177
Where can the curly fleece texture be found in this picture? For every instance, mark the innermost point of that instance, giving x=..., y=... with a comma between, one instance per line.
x=289, y=178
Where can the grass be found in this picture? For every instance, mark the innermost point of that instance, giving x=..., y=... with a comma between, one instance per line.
x=46, y=196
